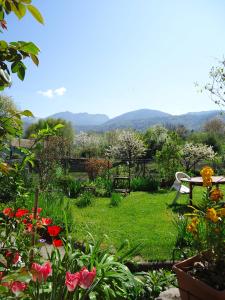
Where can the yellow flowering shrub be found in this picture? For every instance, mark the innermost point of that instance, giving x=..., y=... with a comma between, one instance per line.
x=207, y=224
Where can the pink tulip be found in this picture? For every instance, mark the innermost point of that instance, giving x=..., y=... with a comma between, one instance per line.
x=86, y=277
x=17, y=287
x=41, y=272
x=72, y=280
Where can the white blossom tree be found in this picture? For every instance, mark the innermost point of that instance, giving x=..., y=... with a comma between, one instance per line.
x=194, y=153
x=129, y=147
x=87, y=144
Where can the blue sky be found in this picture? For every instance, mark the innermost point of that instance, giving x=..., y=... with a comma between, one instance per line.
x=114, y=56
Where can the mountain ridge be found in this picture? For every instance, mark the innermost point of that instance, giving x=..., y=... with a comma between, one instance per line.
x=139, y=119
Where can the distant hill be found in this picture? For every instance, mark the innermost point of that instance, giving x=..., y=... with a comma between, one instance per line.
x=81, y=119
x=139, y=119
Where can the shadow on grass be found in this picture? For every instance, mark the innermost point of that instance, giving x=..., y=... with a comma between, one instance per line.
x=179, y=208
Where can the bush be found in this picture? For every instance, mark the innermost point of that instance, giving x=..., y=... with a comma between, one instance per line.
x=157, y=281
x=103, y=187
x=144, y=184
x=96, y=167
x=71, y=187
x=85, y=199
x=116, y=199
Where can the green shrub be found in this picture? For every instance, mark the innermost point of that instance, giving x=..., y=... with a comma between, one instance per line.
x=147, y=184
x=103, y=187
x=116, y=199
x=157, y=281
x=71, y=187
x=85, y=199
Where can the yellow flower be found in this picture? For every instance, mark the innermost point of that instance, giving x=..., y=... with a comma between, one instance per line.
x=192, y=227
x=216, y=195
x=212, y=215
x=221, y=212
x=206, y=174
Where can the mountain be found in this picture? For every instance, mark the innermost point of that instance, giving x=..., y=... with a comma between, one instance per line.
x=81, y=119
x=139, y=119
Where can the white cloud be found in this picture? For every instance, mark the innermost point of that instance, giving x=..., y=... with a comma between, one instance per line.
x=60, y=91
x=52, y=93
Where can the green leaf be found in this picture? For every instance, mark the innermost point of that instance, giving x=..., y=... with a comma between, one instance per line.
x=58, y=126
x=30, y=48
x=27, y=113
x=3, y=45
x=26, y=1
x=21, y=9
x=35, y=59
x=3, y=289
x=35, y=13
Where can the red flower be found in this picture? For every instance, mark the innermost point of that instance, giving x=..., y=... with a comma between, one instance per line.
x=21, y=212
x=16, y=258
x=86, y=277
x=46, y=221
x=8, y=212
x=54, y=230
x=57, y=243
x=29, y=227
x=3, y=24
x=72, y=281
x=17, y=287
x=39, y=210
x=1, y=275
x=41, y=272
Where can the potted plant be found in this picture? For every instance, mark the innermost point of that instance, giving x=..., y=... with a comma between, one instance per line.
x=203, y=276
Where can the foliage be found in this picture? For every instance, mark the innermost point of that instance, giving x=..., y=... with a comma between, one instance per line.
x=85, y=199
x=129, y=147
x=157, y=281
x=216, y=86
x=194, y=153
x=66, y=131
x=215, y=126
x=103, y=187
x=168, y=159
x=26, y=274
x=87, y=145
x=150, y=184
x=70, y=186
x=154, y=138
x=96, y=167
x=14, y=53
x=115, y=199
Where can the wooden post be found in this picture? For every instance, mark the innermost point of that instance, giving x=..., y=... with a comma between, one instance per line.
x=36, y=196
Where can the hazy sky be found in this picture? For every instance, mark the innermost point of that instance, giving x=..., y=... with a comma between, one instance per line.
x=113, y=56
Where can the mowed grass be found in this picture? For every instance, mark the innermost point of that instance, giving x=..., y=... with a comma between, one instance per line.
x=142, y=217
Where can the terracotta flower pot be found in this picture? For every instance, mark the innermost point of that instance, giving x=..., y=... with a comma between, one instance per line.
x=192, y=288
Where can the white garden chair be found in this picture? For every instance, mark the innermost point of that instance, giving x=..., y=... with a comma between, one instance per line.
x=177, y=185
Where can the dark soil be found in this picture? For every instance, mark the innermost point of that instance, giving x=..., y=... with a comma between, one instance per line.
x=213, y=274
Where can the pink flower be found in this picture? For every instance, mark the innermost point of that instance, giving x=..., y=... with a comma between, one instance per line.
x=41, y=272
x=46, y=221
x=72, y=280
x=86, y=277
x=17, y=287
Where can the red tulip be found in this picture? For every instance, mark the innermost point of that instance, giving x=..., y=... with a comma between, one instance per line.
x=16, y=258
x=57, y=243
x=21, y=212
x=72, y=281
x=54, y=230
x=39, y=210
x=86, y=277
x=17, y=287
x=46, y=221
x=29, y=227
x=41, y=272
x=8, y=212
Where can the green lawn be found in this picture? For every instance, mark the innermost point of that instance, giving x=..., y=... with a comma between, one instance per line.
x=141, y=217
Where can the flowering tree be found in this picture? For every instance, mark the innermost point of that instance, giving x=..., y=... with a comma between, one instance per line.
x=87, y=145
x=129, y=147
x=194, y=153
x=154, y=138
